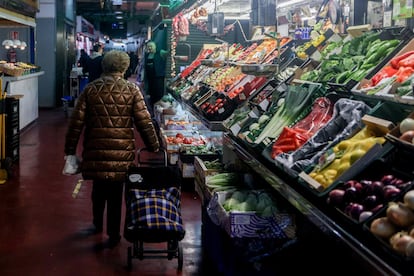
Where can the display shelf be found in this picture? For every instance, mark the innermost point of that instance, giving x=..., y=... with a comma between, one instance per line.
x=211, y=125
x=315, y=215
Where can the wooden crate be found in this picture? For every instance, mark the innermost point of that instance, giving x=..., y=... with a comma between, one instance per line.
x=201, y=170
x=200, y=174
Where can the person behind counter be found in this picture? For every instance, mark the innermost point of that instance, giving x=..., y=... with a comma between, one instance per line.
x=154, y=72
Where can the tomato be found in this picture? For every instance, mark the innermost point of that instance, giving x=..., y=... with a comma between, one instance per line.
x=187, y=140
x=179, y=135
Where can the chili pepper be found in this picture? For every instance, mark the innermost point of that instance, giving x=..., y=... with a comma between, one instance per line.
x=394, y=62
x=404, y=73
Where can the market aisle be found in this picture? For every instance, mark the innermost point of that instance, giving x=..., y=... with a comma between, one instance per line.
x=43, y=228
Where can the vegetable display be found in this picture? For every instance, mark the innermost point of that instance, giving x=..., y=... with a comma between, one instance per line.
x=396, y=227
x=225, y=181
x=356, y=59
x=250, y=200
x=343, y=155
x=295, y=107
x=361, y=198
x=292, y=138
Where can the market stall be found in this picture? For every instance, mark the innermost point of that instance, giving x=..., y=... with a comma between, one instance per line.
x=311, y=122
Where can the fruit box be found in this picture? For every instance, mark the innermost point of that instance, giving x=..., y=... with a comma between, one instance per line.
x=380, y=127
x=394, y=136
x=248, y=224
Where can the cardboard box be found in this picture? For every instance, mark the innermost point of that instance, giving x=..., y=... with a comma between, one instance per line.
x=358, y=30
x=248, y=224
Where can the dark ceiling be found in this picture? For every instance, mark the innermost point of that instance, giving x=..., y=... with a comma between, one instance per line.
x=109, y=10
x=104, y=14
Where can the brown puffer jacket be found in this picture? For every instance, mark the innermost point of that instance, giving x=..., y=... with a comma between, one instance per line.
x=107, y=111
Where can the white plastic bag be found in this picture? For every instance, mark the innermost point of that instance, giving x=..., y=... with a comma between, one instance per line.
x=71, y=165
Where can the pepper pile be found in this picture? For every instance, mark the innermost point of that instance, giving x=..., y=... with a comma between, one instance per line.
x=294, y=137
x=401, y=67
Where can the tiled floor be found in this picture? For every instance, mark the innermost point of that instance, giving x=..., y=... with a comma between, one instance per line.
x=43, y=227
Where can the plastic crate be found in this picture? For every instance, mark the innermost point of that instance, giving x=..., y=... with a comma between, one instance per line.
x=395, y=163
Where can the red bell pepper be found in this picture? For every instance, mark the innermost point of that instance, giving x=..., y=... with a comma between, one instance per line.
x=404, y=73
x=407, y=62
x=394, y=62
x=386, y=72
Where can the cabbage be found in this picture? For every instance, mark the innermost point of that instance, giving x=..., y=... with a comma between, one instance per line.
x=263, y=201
x=231, y=204
x=243, y=207
x=239, y=196
x=269, y=211
x=251, y=202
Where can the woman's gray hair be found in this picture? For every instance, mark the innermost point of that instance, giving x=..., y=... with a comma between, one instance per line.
x=115, y=62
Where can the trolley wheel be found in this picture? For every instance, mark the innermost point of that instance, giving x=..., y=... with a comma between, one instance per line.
x=180, y=257
x=172, y=249
x=129, y=258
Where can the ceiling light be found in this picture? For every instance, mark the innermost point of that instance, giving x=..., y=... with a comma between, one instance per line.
x=16, y=43
x=119, y=17
x=23, y=45
x=7, y=43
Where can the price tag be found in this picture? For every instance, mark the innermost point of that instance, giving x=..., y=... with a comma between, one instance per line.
x=264, y=104
x=242, y=97
x=253, y=114
x=235, y=129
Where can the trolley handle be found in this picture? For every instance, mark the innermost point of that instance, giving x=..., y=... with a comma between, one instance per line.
x=158, y=162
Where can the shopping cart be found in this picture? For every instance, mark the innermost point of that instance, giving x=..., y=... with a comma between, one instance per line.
x=153, y=210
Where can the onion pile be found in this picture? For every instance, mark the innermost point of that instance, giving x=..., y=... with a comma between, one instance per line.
x=407, y=130
x=359, y=199
x=397, y=226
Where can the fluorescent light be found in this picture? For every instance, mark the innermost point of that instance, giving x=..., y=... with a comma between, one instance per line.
x=289, y=3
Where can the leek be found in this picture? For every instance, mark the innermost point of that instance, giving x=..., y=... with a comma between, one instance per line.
x=220, y=180
x=297, y=102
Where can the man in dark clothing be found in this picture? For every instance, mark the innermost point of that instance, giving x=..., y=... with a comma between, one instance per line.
x=83, y=58
x=94, y=63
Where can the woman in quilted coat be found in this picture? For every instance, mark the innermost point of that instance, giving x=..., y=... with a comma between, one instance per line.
x=106, y=112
